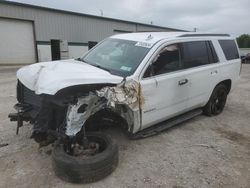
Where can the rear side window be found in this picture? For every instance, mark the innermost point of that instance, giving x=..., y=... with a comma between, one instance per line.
x=230, y=49
x=198, y=53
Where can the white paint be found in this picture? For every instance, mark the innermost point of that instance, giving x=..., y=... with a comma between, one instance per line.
x=150, y=38
x=165, y=99
x=50, y=77
x=16, y=42
x=44, y=52
x=77, y=51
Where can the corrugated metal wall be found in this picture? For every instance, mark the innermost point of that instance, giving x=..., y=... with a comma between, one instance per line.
x=143, y=28
x=74, y=28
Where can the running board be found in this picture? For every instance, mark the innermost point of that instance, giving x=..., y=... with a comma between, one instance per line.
x=158, y=128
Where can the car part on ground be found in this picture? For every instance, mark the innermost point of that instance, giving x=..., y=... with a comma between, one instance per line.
x=85, y=164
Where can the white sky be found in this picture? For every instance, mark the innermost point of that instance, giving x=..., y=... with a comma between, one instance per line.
x=219, y=16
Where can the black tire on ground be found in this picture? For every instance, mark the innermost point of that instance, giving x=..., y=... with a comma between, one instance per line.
x=217, y=101
x=78, y=170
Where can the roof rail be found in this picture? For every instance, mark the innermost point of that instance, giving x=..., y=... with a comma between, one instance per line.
x=205, y=35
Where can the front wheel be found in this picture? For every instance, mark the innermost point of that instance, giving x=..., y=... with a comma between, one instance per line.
x=217, y=101
x=86, y=165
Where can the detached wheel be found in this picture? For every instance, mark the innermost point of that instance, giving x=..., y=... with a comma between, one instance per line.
x=217, y=101
x=88, y=166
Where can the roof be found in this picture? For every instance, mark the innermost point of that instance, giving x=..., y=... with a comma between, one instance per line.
x=87, y=15
x=153, y=37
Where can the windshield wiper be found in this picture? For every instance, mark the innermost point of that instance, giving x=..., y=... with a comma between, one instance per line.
x=79, y=59
x=101, y=67
x=95, y=65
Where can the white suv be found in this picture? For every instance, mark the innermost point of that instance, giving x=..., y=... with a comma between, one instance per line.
x=146, y=78
x=136, y=80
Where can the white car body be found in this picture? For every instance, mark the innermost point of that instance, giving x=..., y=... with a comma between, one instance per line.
x=50, y=77
x=163, y=97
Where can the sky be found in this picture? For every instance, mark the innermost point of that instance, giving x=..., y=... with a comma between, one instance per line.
x=217, y=16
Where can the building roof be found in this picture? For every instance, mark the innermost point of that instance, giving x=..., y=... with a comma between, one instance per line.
x=83, y=14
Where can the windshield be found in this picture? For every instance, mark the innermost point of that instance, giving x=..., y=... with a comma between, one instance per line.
x=119, y=57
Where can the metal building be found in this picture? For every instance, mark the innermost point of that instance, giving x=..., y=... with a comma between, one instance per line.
x=31, y=33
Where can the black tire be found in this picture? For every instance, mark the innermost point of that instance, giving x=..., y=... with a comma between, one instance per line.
x=77, y=170
x=217, y=101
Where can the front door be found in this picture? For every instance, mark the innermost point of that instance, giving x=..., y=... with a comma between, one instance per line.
x=164, y=87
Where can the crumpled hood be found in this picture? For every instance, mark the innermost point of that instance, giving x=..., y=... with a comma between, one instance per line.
x=50, y=77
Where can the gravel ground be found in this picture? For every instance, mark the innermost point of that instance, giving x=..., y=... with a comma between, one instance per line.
x=203, y=152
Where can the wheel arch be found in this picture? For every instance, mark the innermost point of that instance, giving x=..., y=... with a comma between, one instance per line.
x=107, y=116
x=227, y=83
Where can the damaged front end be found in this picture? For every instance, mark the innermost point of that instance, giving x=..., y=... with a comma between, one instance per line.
x=66, y=113
x=122, y=99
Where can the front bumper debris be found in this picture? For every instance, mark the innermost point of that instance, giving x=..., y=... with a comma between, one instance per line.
x=21, y=114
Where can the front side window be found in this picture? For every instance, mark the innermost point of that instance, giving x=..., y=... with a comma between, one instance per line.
x=167, y=60
x=120, y=57
x=230, y=49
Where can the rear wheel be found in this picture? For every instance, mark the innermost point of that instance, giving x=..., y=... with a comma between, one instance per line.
x=217, y=101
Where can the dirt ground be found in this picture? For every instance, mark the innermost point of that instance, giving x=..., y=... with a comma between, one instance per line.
x=203, y=152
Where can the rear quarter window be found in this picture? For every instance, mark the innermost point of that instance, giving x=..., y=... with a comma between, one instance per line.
x=230, y=49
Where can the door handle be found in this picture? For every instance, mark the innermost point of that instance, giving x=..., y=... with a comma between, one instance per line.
x=182, y=82
x=214, y=72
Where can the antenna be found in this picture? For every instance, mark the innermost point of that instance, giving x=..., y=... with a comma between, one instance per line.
x=101, y=12
x=149, y=37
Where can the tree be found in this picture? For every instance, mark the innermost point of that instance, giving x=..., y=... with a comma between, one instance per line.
x=244, y=41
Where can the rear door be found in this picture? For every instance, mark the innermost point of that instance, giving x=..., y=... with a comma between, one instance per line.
x=201, y=61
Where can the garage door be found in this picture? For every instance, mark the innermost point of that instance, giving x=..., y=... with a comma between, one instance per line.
x=16, y=42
